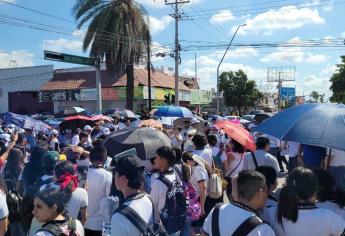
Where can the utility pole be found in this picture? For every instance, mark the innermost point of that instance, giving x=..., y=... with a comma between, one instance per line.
x=149, y=69
x=177, y=58
x=196, y=68
x=98, y=85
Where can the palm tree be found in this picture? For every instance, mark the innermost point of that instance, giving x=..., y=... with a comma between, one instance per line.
x=118, y=31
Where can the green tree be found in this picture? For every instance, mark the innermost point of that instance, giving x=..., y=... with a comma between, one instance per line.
x=338, y=83
x=238, y=91
x=315, y=96
x=117, y=31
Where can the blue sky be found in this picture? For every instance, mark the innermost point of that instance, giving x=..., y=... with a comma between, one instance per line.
x=205, y=23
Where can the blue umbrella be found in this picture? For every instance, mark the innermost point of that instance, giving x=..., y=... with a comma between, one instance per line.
x=314, y=124
x=173, y=111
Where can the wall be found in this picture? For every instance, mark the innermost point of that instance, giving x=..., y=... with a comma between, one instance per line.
x=22, y=79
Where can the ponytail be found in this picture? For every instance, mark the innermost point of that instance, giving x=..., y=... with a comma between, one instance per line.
x=288, y=204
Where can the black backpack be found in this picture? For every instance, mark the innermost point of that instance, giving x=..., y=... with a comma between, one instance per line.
x=14, y=201
x=55, y=228
x=174, y=213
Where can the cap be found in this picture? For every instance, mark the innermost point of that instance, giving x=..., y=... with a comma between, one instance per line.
x=55, y=132
x=106, y=131
x=130, y=166
x=5, y=137
x=87, y=127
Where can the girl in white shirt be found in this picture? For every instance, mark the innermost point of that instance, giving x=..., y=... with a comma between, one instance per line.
x=328, y=196
x=297, y=215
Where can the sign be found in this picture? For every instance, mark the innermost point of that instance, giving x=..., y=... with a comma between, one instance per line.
x=88, y=94
x=63, y=95
x=62, y=57
x=287, y=93
x=200, y=97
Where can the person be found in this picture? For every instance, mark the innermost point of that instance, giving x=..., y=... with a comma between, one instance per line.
x=97, y=129
x=218, y=154
x=293, y=149
x=233, y=163
x=251, y=197
x=162, y=184
x=3, y=208
x=176, y=138
x=54, y=142
x=328, y=196
x=22, y=143
x=49, y=207
x=30, y=138
x=200, y=142
x=14, y=166
x=313, y=156
x=66, y=180
x=188, y=145
x=83, y=139
x=260, y=157
x=129, y=178
x=48, y=160
x=297, y=215
x=98, y=187
x=88, y=131
x=200, y=180
x=336, y=167
x=186, y=129
x=75, y=138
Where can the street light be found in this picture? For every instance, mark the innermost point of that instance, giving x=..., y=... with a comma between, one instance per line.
x=221, y=63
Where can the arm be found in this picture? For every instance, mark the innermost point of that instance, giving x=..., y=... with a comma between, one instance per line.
x=4, y=156
x=83, y=214
x=80, y=151
x=202, y=193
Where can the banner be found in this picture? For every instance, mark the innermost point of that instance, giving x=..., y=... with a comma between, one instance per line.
x=200, y=97
x=88, y=94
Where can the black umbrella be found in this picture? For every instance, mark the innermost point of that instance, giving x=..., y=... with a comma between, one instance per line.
x=146, y=141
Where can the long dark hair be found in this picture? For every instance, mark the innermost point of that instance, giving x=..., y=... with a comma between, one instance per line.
x=237, y=147
x=301, y=184
x=33, y=170
x=326, y=189
x=14, y=164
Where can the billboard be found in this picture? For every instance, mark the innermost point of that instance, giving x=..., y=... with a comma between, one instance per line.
x=288, y=94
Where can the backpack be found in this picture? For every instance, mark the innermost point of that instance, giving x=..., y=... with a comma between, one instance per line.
x=55, y=229
x=218, y=160
x=193, y=205
x=244, y=229
x=173, y=216
x=14, y=201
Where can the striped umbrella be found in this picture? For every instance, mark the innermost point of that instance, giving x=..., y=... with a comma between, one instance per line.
x=173, y=111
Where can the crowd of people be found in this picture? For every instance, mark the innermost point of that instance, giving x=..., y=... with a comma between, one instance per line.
x=204, y=183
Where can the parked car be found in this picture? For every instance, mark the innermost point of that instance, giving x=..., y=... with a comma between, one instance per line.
x=233, y=117
x=248, y=117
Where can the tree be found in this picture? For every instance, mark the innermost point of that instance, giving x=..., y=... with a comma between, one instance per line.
x=338, y=83
x=315, y=96
x=322, y=98
x=238, y=91
x=118, y=32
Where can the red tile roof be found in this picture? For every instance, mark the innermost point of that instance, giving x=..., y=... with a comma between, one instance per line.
x=86, y=79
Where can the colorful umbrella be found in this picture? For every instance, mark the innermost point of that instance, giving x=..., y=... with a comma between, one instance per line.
x=173, y=111
x=152, y=123
x=237, y=133
x=73, y=122
x=101, y=117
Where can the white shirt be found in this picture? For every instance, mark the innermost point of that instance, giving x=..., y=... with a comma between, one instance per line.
x=321, y=222
x=198, y=174
x=263, y=159
x=79, y=230
x=333, y=207
x=185, y=131
x=53, y=142
x=159, y=191
x=230, y=218
x=121, y=226
x=98, y=187
x=75, y=140
x=236, y=163
x=3, y=205
x=215, y=151
x=293, y=149
x=337, y=157
x=205, y=154
x=176, y=142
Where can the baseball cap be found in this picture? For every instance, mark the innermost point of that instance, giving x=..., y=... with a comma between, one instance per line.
x=130, y=166
x=55, y=132
x=87, y=127
x=106, y=131
x=5, y=137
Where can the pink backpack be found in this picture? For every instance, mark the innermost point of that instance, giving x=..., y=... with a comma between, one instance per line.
x=193, y=205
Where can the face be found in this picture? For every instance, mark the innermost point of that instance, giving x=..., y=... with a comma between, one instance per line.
x=187, y=124
x=267, y=147
x=128, y=123
x=42, y=212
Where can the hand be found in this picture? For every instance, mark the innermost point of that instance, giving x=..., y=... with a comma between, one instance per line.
x=78, y=150
x=14, y=136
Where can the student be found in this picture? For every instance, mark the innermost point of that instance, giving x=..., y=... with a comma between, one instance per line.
x=260, y=157
x=49, y=206
x=3, y=209
x=176, y=138
x=201, y=149
x=329, y=197
x=162, y=186
x=297, y=215
x=219, y=156
x=54, y=142
x=98, y=187
x=233, y=216
x=129, y=178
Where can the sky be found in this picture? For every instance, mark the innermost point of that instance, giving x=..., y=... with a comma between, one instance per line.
x=206, y=27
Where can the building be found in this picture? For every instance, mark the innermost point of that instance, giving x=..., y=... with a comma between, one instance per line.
x=19, y=89
x=77, y=87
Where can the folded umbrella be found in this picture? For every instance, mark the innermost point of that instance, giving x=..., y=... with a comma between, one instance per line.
x=238, y=133
x=146, y=141
x=173, y=111
x=314, y=124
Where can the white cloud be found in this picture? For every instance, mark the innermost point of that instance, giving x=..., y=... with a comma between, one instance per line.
x=20, y=58
x=161, y=3
x=330, y=69
x=343, y=34
x=222, y=17
x=315, y=58
x=157, y=48
x=312, y=82
x=285, y=18
x=63, y=44
x=158, y=25
x=326, y=6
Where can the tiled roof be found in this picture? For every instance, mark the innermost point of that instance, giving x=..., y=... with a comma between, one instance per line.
x=86, y=79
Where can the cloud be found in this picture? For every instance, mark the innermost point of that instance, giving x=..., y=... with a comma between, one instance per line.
x=222, y=17
x=285, y=18
x=312, y=82
x=343, y=34
x=161, y=3
x=315, y=58
x=157, y=48
x=243, y=52
x=330, y=69
x=158, y=25
x=20, y=58
x=63, y=44
x=326, y=6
